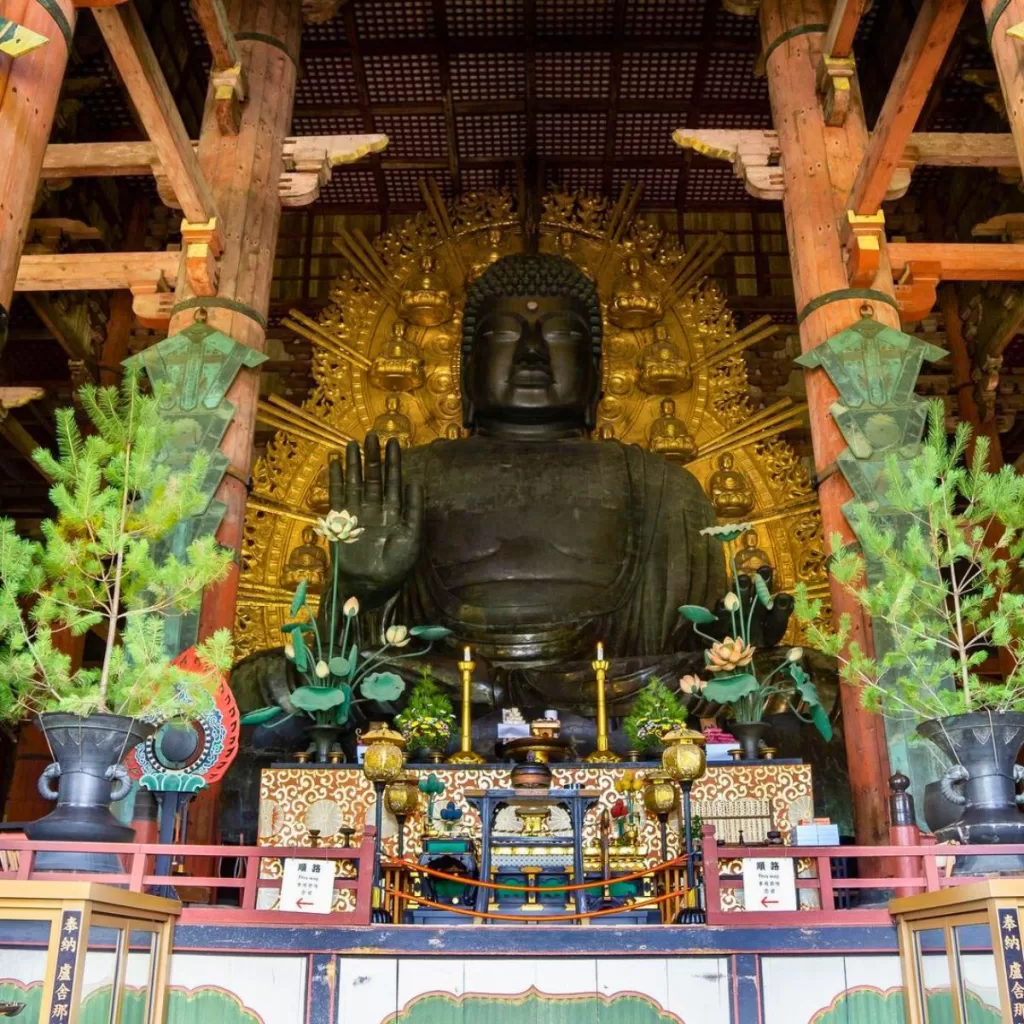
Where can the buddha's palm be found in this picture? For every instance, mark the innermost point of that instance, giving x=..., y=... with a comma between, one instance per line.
x=377, y=563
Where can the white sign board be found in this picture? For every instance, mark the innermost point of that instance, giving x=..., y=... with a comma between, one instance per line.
x=307, y=886
x=769, y=883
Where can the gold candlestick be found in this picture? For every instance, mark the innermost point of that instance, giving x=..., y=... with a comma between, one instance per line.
x=603, y=754
x=466, y=754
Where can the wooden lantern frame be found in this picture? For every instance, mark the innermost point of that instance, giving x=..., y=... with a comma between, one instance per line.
x=72, y=910
x=997, y=904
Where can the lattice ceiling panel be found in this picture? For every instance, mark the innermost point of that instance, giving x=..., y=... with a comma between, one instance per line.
x=731, y=78
x=571, y=135
x=419, y=137
x=326, y=124
x=490, y=76
x=403, y=78
x=573, y=76
x=574, y=17
x=658, y=75
x=659, y=183
x=329, y=80
x=648, y=134
x=494, y=135
x=404, y=19
x=665, y=17
x=486, y=17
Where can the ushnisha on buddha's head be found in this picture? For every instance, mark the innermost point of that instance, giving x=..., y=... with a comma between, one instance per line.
x=531, y=348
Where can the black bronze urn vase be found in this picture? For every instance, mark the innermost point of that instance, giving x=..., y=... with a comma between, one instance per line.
x=982, y=780
x=751, y=736
x=89, y=776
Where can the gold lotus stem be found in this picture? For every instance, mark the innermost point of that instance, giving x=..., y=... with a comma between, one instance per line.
x=754, y=333
x=466, y=754
x=603, y=754
x=307, y=418
x=788, y=511
x=284, y=418
x=761, y=433
x=264, y=593
x=317, y=335
x=274, y=509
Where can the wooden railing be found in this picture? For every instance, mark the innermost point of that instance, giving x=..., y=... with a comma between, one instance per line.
x=17, y=862
x=914, y=869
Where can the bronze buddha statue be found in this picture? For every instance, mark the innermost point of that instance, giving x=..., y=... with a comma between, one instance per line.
x=526, y=539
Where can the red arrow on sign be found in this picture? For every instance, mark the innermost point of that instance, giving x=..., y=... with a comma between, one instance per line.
x=765, y=901
x=303, y=903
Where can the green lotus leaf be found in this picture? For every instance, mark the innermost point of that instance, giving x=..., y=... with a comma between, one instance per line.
x=299, y=599
x=821, y=722
x=729, y=689
x=763, y=593
x=339, y=666
x=319, y=698
x=808, y=692
x=260, y=715
x=430, y=632
x=697, y=615
x=301, y=655
x=382, y=686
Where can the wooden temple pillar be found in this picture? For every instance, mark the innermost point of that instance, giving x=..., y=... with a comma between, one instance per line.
x=819, y=164
x=29, y=89
x=1008, y=55
x=243, y=171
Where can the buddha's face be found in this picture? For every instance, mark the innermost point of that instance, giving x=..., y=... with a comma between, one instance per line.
x=532, y=361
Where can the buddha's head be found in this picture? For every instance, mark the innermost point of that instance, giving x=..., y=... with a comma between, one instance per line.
x=531, y=346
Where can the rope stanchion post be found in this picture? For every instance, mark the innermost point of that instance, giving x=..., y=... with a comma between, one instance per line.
x=695, y=914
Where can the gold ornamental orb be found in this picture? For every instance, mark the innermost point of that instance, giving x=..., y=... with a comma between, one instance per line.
x=402, y=797
x=660, y=793
x=384, y=758
x=684, y=758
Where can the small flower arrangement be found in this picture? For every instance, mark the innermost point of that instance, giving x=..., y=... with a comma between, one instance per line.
x=429, y=717
x=656, y=711
x=333, y=669
x=735, y=681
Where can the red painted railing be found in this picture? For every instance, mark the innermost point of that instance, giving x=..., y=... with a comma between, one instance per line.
x=137, y=860
x=915, y=867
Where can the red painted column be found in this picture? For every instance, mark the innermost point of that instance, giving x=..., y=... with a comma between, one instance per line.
x=29, y=90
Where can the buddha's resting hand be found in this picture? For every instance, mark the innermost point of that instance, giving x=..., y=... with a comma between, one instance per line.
x=374, y=567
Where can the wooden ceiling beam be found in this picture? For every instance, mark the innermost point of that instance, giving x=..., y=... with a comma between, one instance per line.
x=842, y=29
x=933, y=31
x=228, y=75
x=94, y=271
x=140, y=70
x=961, y=261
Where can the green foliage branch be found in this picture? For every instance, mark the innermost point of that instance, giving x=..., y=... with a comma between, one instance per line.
x=655, y=711
x=429, y=717
x=942, y=582
x=96, y=568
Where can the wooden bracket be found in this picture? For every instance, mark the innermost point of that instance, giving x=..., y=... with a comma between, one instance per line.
x=229, y=93
x=203, y=245
x=1007, y=227
x=754, y=156
x=152, y=302
x=862, y=239
x=834, y=76
x=309, y=160
x=916, y=290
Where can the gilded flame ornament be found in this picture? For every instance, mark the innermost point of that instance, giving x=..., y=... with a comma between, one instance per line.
x=664, y=320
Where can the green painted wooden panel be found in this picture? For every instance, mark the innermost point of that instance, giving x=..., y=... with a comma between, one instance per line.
x=533, y=1008
x=872, y=1006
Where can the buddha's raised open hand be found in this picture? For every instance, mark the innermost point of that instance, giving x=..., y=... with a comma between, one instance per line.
x=376, y=564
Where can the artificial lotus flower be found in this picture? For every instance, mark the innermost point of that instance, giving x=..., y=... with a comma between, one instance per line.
x=322, y=670
x=692, y=684
x=729, y=655
x=339, y=527
x=397, y=636
x=727, y=531
x=731, y=602
x=795, y=654
x=351, y=607
x=289, y=651
x=619, y=809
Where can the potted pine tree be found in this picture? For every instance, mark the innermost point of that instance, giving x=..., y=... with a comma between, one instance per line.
x=97, y=567
x=938, y=568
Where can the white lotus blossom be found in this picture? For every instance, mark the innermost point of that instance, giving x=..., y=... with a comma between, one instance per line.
x=322, y=670
x=795, y=654
x=397, y=636
x=351, y=607
x=339, y=527
x=731, y=602
x=289, y=651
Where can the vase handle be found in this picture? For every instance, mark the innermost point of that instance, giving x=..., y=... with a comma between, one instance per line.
x=1018, y=777
x=119, y=773
x=45, y=782
x=954, y=773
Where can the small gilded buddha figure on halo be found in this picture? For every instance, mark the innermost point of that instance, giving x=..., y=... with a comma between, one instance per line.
x=634, y=304
x=393, y=423
x=307, y=562
x=729, y=489
x=426, y=297
x=663, y=371
x=669, y=436
x=400, y=366
x=492, y=253
x=749, y=557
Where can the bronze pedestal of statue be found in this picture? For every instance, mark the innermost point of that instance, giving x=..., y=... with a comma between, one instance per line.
x=526, y=539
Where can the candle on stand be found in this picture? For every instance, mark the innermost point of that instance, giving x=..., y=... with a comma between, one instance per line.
x=466, y=754
x=600, y=651
x=603, y=754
